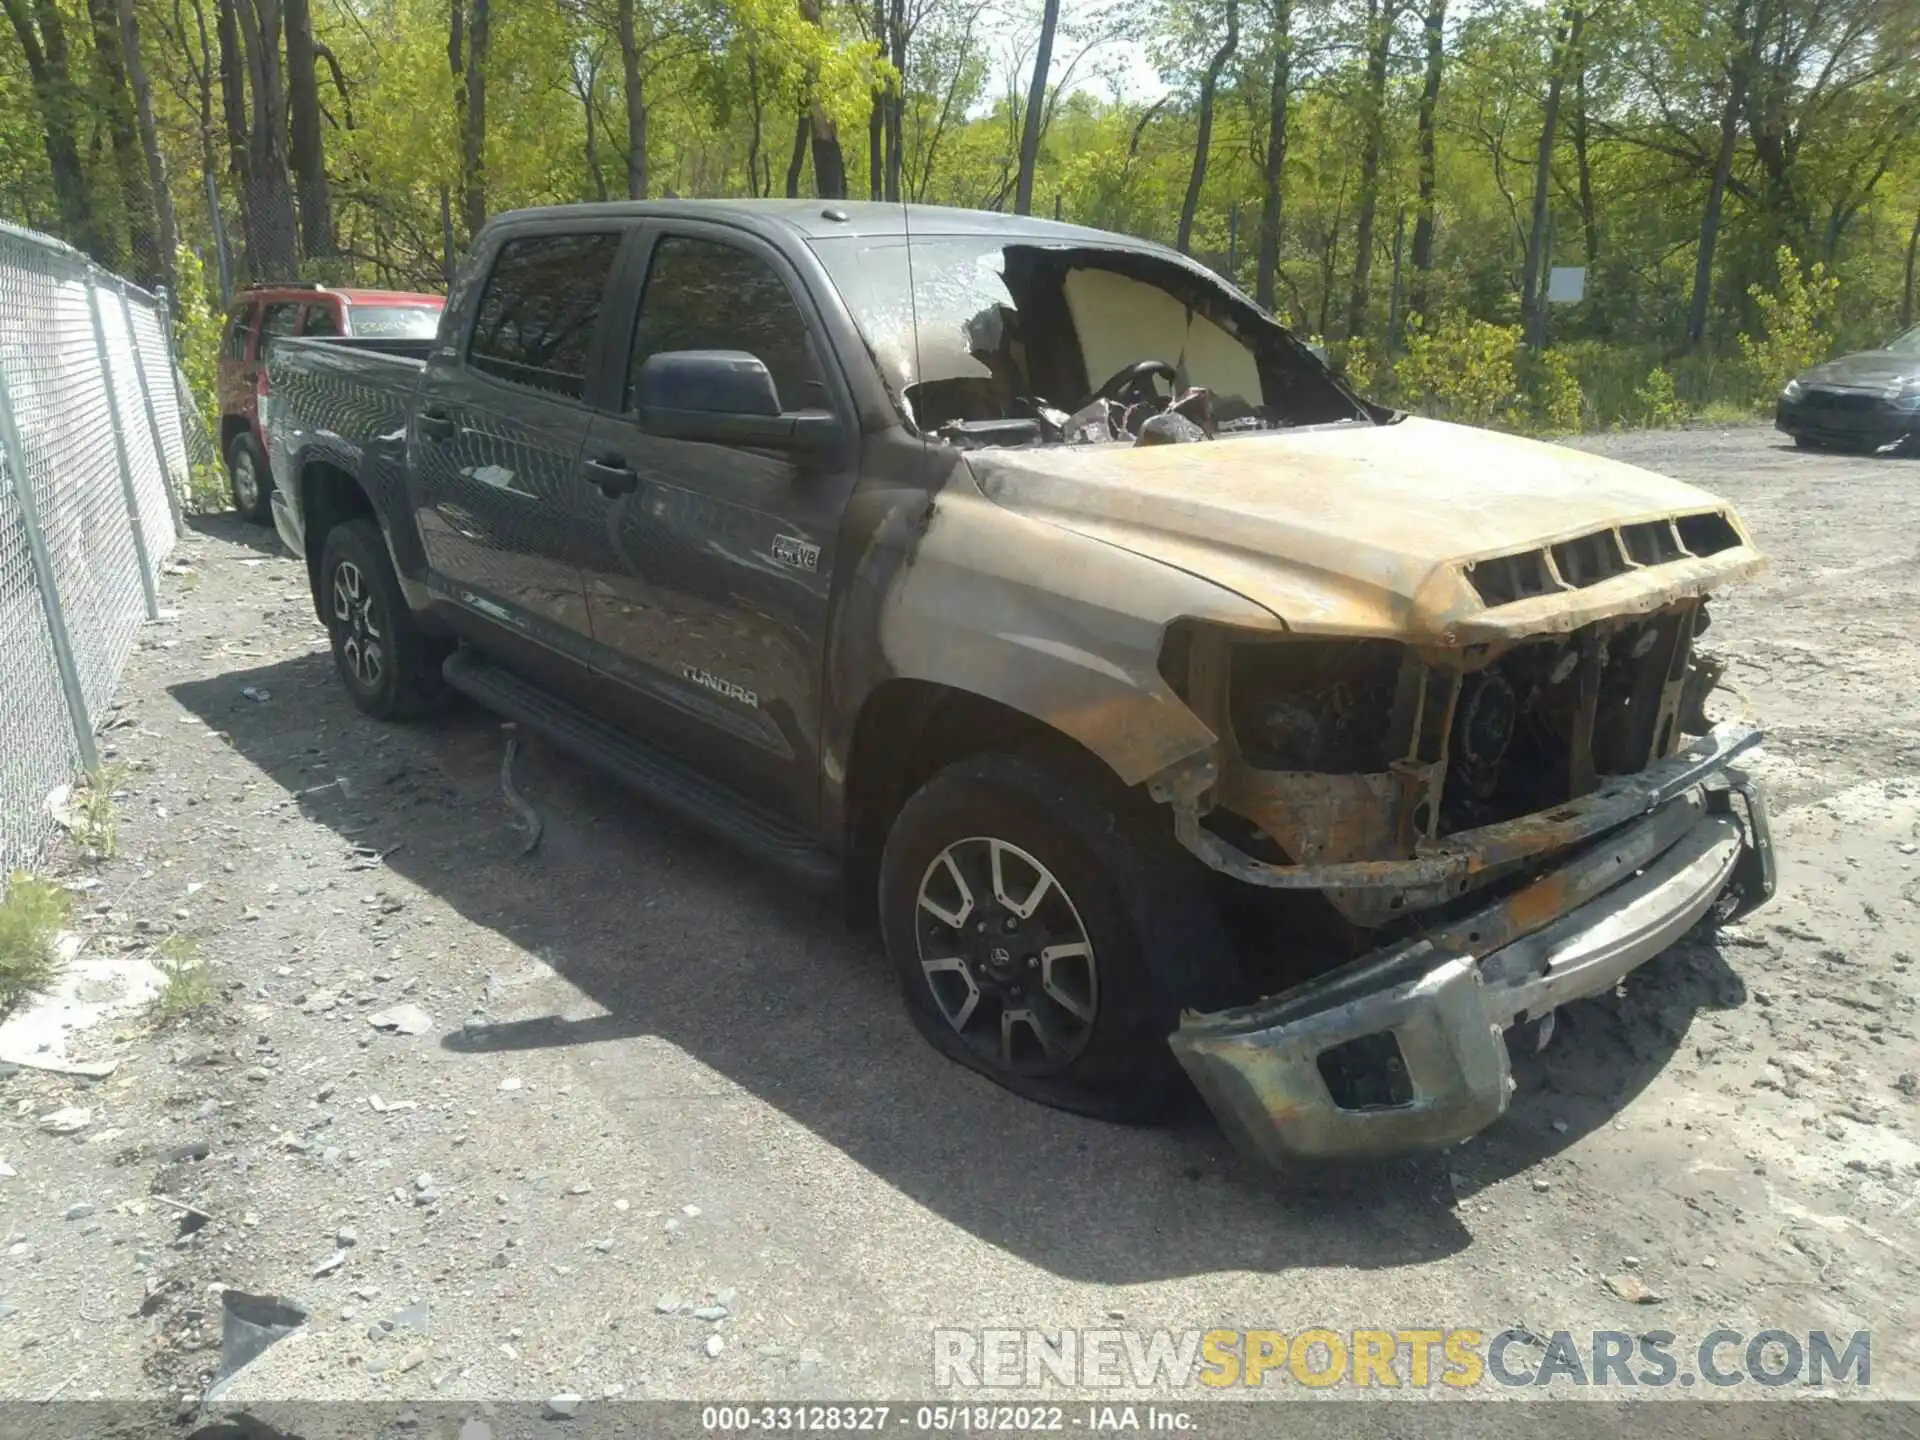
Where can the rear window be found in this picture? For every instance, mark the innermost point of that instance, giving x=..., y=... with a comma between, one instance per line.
x=536, y=316
x=276, y=320
x=393, y=322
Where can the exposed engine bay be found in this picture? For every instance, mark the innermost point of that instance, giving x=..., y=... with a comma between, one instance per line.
x=1010, y=345
x=1343, y=751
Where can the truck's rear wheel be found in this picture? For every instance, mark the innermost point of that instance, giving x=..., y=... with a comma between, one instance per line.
x=1046, y=941
x=390, y=666
x=249, y=480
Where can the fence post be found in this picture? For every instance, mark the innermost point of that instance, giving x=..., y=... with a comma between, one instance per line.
x=16, y=456
x=120, y=449
x=146, y=401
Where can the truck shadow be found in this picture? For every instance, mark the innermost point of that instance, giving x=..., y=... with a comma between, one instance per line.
x=673, y=937
x=229, y=527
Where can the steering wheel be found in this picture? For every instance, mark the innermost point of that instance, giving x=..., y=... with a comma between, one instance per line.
x=1133, y=383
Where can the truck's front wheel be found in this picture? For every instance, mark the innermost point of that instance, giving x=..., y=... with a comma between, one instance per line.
x=1046, y=940
x=391, y=667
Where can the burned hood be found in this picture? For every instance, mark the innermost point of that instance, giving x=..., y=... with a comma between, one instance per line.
x=1390, y=530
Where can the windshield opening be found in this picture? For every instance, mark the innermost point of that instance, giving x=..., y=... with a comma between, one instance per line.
x=1033, y=343
x=393, y=322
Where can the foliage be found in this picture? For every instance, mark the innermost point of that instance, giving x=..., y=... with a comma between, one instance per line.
x=31, y=918
x=197, y=323
x=1358, y=363
x=1658, y=402
x=96, y=822
x=188, y=985
x=737, y=96
x=1794, y=323
x=1462, y=369
x=1559, y=405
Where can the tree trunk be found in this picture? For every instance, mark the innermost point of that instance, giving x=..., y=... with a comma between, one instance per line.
x=877, y=118
x=233, y=99
x=130, y=165
x=1274, y=163
x=271, y=252
x=896, y=99
x=473, y=139
x=309, y=155
x=1036, y=103
x=1379, y=41
x=797, y=161
x=829, y=166
x=1533, y=287
x=165, y=225
x=634, y=87
x=1583, y=168
x=1907, y=292
x=1203, y=136
x=1710, y=220
x=1423, y=218
x=50, y=67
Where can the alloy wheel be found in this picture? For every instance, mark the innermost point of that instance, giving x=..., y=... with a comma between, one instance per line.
x=246, y=480
x=357, y=620
x=1006, y=956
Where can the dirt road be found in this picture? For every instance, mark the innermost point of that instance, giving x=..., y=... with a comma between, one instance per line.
x=697, y=1150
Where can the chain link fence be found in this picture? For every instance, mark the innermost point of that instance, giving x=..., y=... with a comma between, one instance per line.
x=94, y=452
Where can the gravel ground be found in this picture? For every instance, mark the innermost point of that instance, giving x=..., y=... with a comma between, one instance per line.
x=700, y=1152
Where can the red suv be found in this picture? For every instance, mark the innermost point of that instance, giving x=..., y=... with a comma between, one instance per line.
x=262, y=315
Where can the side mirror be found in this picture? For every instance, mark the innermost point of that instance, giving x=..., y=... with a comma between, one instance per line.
x=712, y=382
x=724, y=397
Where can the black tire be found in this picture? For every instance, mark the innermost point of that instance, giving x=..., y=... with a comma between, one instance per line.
x=1156, y=944
x=249, y=480
x=1807, y=442
x=390, y=666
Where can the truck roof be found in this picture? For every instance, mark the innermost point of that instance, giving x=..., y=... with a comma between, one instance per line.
x=293, y=290
x=823, y=219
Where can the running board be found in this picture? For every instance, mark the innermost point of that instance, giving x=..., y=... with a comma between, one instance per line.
x=666, y=781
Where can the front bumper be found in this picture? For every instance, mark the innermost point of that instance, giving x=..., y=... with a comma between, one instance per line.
x=1872, y=423
x=1446, y=997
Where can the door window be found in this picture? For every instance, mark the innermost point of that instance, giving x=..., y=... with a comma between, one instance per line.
x=536, y=316
x=319, y=320
x=278, y=320
x=704, y=295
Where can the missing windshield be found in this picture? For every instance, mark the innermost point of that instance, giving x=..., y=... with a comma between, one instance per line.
x=1031, y=344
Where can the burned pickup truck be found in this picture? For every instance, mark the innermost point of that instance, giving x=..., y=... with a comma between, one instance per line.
x=1173, y=707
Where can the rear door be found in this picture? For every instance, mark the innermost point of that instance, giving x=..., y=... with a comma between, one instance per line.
x=495, y=444
x=278, y=320
x=709, y=591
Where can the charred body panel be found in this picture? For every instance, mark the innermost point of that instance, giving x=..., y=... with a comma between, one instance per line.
x=1403, y=1049
x=1446, y=681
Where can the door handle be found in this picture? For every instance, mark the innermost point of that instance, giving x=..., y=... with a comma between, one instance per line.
x=436, y=424
x=613, y=475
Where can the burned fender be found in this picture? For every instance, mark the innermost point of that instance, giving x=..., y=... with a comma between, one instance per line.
x=1054, y=624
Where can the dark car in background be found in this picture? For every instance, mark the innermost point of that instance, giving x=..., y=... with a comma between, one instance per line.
x=1866, y=401
x=265, y=313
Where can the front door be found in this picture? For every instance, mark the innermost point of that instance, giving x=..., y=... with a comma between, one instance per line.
x=708, y=593
x=495, y=446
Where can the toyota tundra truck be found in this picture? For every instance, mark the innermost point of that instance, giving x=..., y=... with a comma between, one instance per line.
x=1179, y=714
